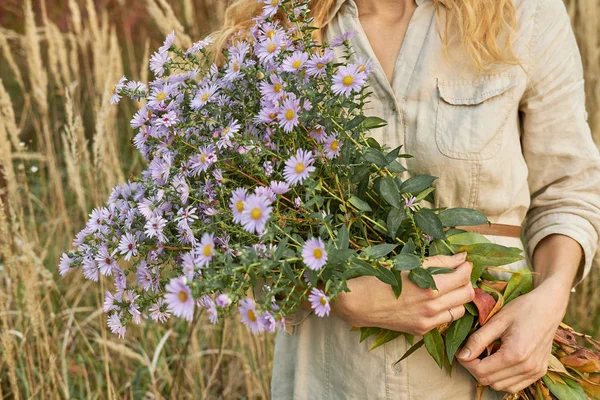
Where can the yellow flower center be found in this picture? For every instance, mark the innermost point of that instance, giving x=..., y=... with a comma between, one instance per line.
x=317, y=253
x=320, y=65
x=203, y=158
x=271, y=33
x=208, y=250
x=323, y=301
x=260, y=75
x=256, y=213
x=300, y=167
x=296, y=64
x=289, y=115
x=271, y=47
x=205, y=97
x=161, y=96
x=225, y=132
x=240, y=205
x=235, y=67
x=114, y=89
x=277, y=87
x=362, y=68
x=348, y=80
x=182, y=296
x=272, y=115
x=251, y=316
x=334, y=145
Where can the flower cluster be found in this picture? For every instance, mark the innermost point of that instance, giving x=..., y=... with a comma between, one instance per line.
x=259, y=178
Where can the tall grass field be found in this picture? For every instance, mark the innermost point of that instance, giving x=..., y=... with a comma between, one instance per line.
x=62, y=149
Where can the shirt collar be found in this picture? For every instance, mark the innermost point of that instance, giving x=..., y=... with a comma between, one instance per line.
x=339, y=3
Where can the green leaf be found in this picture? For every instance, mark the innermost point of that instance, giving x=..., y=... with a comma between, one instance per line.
x=287, y=271
x=373, y=123
x=376, y=157
x=435, y=345
x=430, y=223
x=406, y=262
x=373, y=143
x=457, y=332
x=413, y=348
x=366, y=332
x=362, y=268
x=383, y=337
x=394, y=219
x=491, y=254
x=417, y=184
x=462, y=217
x=360, y=204
x=471, y=309
x=397, y=288
x=467, y=238
x=281, y=248
x=338, y=257
x=396, y=167
x=389, y=192
x=354, y=122
x=379, y=250
x=422, y=278
x=437, y=247
x=519, y=283
x=476, y=272
x=386, y=276
x=569, y=390
x=424, y=193
x=409, y=247
x=343, y=238
x=440, y=270
x=392, y=155
x=358, y=173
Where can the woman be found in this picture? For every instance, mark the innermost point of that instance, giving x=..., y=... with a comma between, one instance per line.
x=488, y=96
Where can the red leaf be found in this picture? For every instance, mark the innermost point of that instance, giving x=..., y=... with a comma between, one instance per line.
x=484, y=303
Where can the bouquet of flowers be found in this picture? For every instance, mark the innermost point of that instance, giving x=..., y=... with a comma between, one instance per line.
x=260, y=177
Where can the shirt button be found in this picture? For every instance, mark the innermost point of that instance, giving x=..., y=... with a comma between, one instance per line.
x=393, y=106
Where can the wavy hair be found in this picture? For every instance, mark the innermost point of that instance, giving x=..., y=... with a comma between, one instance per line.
x=486, y=28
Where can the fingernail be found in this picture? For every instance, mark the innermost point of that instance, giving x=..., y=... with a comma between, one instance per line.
x=460, y=256
x=464, y=353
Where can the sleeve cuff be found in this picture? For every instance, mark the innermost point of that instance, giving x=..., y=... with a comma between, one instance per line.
x=574, y=226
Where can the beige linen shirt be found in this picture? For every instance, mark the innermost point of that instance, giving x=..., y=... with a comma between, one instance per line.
x=511, y=144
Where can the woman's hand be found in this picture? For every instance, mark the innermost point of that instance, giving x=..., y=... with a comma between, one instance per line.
x=371, y=302
x=526, y=326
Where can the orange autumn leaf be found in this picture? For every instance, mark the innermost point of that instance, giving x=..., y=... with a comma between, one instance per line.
x=582, y=360
x=485, y=304
x=496, y=285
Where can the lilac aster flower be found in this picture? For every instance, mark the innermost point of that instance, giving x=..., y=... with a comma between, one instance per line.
x=279, y=187
x=295, y=62
x=158, y=61
x=265, y=191
x=256, y=212
x=269, y=49
x=65, y=264
x=154, y=228
x=410, y=203
x=168, y=119
x=128, y=246
x=116, y=325
x=298, y=167
x=297, y=202
x=250, y=317
x=272, y=91
x=288, y=114
x=318, y=133
x=340, y=39
x=105, y=261
x=223, y=301
x=206, y=302
x=319, y=302
x=89, y=267
x=317, y=65
x=270, y=7
x=159, y=311
x=180, y=184
x=109, y=301
x=314, y=254
x=203, y=96
x=332, y=147
x=203, y=160
x=348, y=79
x=268, y=321
x=365, y=66
x=236, y=204
x=144, y=277
x=116, y=97
x=169, y=40
x=206, y=249
x=179, y=298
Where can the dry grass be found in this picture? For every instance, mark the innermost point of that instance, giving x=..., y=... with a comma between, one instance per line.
x=57, y=62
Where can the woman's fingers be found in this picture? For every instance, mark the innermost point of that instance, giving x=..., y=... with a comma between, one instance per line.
x=454, y=280
x=455, y=298
x=445, y=261
x=448, y=316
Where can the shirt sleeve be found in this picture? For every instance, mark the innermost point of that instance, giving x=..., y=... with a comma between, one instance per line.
x=562, y=159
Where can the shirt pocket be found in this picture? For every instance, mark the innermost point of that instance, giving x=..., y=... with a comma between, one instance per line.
x=471, y=115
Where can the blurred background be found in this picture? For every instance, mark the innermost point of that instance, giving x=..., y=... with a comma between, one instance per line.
x=63, y=148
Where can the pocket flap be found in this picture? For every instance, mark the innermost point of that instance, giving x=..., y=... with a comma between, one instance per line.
x=468, y=92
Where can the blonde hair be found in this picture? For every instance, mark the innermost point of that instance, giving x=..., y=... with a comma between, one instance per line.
x=485, y=27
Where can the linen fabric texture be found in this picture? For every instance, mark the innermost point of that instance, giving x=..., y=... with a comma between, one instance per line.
x=515, y=145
